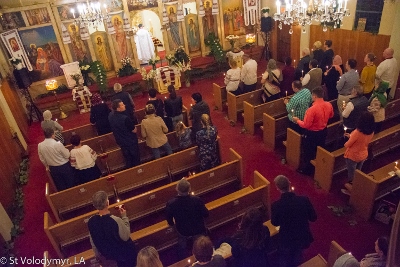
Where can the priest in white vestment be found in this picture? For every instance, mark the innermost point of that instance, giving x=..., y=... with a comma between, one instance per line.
x=144, y=44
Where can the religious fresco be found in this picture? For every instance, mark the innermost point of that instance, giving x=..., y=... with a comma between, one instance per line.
x=65, y=12
x=174, y=31
x=209, y=20
x=192, y=32
x=37, y=16
x=113, y=5
x=233, y=17
x=43, y=52
x=102, y=49
x=12, y=20
x=141, y=4
x=122, y=49
x=78, y=47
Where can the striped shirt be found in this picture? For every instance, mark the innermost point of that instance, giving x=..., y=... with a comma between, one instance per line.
x=299, y=103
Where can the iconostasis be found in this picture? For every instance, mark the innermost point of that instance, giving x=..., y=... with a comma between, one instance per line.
x=46, y=36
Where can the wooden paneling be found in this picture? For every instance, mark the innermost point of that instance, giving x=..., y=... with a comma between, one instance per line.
x=351, y=44
x=10, y=157
x=16, y=108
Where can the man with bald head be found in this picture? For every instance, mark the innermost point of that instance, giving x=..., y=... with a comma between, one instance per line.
x=387, y=71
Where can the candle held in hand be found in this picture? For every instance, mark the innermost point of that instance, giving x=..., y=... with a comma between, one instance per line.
x=396, y=163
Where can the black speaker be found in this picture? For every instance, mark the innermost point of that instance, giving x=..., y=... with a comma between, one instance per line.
x=266, y=24
x=22, y=78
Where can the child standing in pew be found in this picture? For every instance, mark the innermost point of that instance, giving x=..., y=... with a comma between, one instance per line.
x=184, y=135
x=83, y=159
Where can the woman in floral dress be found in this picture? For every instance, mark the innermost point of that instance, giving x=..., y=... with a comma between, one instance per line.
x=206, y=139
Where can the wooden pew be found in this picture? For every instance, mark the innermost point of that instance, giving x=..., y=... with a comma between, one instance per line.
x=335, y=251
x=328, y=163
x=367, y=188
x=235, y=103
x=144, y=174
x=253, y=113
x=75, y=230
x=88, y=131
x=220, y=96
x=222, y=211
x=294, y=140
x=392, y=109
x=274, y=129
x=273, y=230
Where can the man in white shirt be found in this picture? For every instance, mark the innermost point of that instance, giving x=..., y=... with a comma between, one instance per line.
x=388, y=71
x=55, y=157
x=248, y=75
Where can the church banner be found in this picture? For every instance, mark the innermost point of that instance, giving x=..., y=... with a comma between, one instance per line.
x=15, y=47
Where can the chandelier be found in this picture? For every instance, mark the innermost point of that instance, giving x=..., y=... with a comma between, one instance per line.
x=299, y=13
x=91, y=14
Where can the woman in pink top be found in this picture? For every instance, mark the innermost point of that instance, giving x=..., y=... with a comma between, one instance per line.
x=357, y=147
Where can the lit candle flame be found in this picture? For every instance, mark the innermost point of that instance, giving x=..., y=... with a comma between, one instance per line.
x=292, y=188
x=396, y=163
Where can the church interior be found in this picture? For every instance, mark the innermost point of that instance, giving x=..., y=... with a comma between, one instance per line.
x=54, y=54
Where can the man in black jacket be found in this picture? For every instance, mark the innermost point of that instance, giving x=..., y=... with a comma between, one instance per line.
x=199, y=108
x=125, y=133
x=292, y=213
x=187, y=213
x=110, y=235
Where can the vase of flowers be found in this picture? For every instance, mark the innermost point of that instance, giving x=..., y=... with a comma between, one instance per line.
x=17, y=63
x=181, y=60
x=85, y=70
x=127, y=68
x=148, y=77
x=153, y=61
x=232, y=39
x=76, y=77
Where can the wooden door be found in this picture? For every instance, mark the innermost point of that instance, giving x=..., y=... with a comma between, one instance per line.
x=284, y=43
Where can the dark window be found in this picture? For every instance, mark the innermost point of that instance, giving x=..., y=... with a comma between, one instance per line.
x=371, y=10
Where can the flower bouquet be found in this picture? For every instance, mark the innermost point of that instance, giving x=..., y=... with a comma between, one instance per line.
x=181, y=60
x=148, y=76
x=85, y=70
x=127, y=68
x=232, y=39
x=153, y=61
x=17, y=62
x=76, y=77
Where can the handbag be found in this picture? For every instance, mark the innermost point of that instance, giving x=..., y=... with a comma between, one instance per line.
x=270, y=88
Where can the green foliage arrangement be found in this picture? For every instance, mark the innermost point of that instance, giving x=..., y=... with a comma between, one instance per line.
x=101, y=75
x=127, y=68
x=215, y=47
x=17, y=208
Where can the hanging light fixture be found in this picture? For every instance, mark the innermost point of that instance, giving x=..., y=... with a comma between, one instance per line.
x=298, y=13
x=90, y=14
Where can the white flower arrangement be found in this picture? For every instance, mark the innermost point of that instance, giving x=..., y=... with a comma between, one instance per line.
x=126, y=61
x=148, y=75
x=265, y=9
x=15, y=61
x=232, y=37
x=85, y=67
x=154, y=60
x=183, y=66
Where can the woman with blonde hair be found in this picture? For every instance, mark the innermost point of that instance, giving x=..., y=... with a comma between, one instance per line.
x=206, y=139
x=271, y=80
x=148, y=257
x=49, y=123
x=317, y=52
x=184, y=135
x=232, y=78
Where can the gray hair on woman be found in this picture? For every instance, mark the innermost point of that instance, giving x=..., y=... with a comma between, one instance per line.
x=271, y=65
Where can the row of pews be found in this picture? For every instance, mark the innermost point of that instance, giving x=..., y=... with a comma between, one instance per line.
x=69, y=234
x=272, y=117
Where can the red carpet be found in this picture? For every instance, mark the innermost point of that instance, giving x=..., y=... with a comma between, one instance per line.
x=358, y=239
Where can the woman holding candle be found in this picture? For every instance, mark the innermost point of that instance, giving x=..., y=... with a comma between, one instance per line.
x=357, y=147
x=49, y=123
x=331, y=77
x=288, y=77
x=271, y=80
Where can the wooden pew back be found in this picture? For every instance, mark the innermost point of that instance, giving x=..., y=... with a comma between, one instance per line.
x=392, y=109
x=147, y=173
x=335, y=251
x=329, y=163
x=220, y=96
x=74, y=230
x=235, y=103
x=162, y=236
x=372, y=186
x=254, y=113
x=273, y=129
